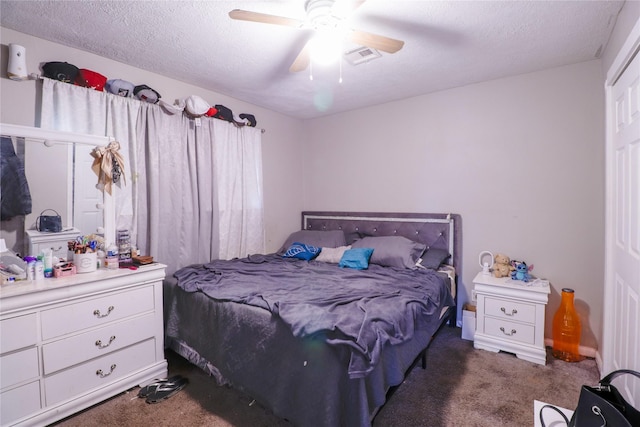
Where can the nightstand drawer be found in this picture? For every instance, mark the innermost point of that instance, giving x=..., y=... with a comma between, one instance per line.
x=18, y=332
x=98, y=342
x=95, y=312
x=511, y=331
x=510, y=310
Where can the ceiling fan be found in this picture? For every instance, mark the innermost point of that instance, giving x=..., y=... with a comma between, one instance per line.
x=323, y=16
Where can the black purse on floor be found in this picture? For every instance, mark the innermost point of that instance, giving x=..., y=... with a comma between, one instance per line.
x=602, y=405
x=49, y=223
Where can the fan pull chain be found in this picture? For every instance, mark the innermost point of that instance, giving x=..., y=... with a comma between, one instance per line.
x=340, y=79
x=310, y=70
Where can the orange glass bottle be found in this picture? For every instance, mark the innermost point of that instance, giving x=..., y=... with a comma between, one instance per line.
x=566, y=329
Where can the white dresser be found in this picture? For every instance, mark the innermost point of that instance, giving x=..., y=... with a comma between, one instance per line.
x=511, y=316
x=68, y=343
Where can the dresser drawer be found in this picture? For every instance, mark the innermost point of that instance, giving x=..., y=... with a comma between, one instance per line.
x=59, y=248
x=19, y=402
x=98, y=342
x=98, y=372
x=18, y=367
x=510, y=331
x=18, y=332
x=510, y=310
x=95, y=312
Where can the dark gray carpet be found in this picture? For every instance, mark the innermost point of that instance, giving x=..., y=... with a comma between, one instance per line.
x=461, y=386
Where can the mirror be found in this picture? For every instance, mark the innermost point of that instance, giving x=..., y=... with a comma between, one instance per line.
x=58, y=169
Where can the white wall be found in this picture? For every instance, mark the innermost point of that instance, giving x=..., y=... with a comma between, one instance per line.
x=520, y=158
x=19, y=104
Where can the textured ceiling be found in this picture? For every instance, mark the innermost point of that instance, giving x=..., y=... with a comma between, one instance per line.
x=447, y=44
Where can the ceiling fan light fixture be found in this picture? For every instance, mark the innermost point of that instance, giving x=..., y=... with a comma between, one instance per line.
x=326, y=47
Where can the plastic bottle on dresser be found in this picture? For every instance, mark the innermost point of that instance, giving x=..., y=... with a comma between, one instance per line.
x=31, y=267
x=112, y=257
x=39, y=268
x=48, y=262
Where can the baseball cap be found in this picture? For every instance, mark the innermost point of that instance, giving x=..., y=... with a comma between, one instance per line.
x=120, y=87
x=145, y=93
x=90, y=79
x=62, y=71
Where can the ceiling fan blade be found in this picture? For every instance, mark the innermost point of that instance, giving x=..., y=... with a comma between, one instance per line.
x=376, y=41
x=246, y=15
x=302, y=60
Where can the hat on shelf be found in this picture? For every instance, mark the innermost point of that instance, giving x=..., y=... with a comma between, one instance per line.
x=145, y=93
x=224, y=113
x=90, y=79
x=195, y=106
x=62, y=71
x=249, y=119
x=176, y=107
x=120, y=87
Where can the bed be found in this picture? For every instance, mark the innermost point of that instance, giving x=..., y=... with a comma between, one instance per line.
x=327, y=348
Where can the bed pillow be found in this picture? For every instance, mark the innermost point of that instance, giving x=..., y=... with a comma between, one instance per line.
x=433, y=258
x=392, y=251
x=301, y=251
x=356, y=258
x=318, y=238
x=332, y=255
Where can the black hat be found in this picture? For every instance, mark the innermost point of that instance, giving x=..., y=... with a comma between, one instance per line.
x=61, y=71
x=224, y=113
x=250, y=118
x=145, y=93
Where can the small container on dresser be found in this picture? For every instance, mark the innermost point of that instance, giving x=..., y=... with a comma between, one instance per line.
x=511, y=316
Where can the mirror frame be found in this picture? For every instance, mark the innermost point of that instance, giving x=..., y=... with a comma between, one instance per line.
x=59, y=137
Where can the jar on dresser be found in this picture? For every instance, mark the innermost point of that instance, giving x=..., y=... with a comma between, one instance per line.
x=511, y=316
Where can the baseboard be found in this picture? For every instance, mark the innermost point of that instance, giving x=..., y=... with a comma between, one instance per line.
x=583, y=350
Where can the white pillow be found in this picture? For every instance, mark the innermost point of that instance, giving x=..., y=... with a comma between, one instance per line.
x=332, y=255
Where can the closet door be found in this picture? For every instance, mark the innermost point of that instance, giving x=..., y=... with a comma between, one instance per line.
x=622, y=287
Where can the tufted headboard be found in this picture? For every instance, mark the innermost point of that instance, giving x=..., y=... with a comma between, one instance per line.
x=434, y=230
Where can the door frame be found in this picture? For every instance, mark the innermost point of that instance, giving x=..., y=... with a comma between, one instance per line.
x=627, y=52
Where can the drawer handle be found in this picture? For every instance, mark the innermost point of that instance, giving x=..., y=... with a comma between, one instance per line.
x=98, y=315
x=102, y=374
x=100, y=345
x=513, y=312
x=513, y=331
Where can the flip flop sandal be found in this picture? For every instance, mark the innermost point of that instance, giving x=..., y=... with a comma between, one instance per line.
x=165, y=391
x=149, y=388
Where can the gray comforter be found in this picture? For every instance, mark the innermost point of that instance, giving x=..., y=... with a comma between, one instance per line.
x=362, y=310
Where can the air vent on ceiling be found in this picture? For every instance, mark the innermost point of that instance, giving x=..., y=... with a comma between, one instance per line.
x=361, y=55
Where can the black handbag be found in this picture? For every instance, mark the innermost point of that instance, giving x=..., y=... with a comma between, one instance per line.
x=602, y=405
x=49, y=223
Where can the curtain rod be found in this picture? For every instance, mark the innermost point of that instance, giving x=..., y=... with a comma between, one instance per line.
x=34, y=76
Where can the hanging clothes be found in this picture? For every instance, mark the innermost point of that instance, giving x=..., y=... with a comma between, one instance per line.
x=15, y=197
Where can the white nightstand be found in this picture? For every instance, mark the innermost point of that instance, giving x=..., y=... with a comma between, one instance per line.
x=510, y=316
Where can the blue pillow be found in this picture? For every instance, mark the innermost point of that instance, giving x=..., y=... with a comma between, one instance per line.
x=357, y=258
x=302, y=251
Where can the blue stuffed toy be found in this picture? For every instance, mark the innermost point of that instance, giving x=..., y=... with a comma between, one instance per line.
x=521, y=272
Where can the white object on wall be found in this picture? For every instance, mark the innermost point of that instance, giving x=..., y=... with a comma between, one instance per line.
x=17, y=66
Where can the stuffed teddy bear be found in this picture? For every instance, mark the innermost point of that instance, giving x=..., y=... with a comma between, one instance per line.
x=502, y=266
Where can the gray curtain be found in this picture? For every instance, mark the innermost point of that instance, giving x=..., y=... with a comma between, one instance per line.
x=194, y=187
